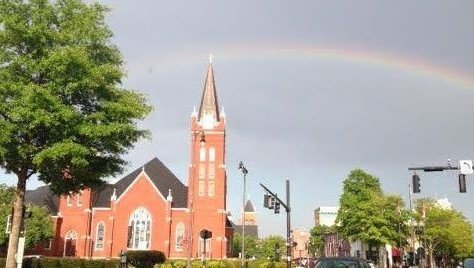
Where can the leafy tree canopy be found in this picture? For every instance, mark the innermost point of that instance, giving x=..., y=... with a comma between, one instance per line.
x=39, y=228
x=63, y=111
x=446, y=231
x=316, y=240
x=252, y=245
x=368, y=215
x=272, y=245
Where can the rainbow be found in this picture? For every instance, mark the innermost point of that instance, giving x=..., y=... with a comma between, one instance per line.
x=397, y=62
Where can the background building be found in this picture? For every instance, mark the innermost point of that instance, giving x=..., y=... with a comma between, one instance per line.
x=250, y=218
x=325, y=216
x=300, y=246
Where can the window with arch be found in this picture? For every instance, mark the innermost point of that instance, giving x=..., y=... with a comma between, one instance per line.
x=80, y=199
x=179, y=236
x=211, y=171
x=202, y=154
x=139, y=230
x=202, y=171
x=100, y=236
x=69, y=200
x=212, y=154
x=70, y=243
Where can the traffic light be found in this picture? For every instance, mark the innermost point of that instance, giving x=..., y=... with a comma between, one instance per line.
x=272, y=202
x=277, y=207
x=267, y=199
x=462, y=183
x=416, y=183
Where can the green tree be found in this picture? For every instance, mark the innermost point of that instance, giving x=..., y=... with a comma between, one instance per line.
x=366, y=214
x=316, y=240
x=273, y=245
x=252, y=246
x=7, y=195
x=39, y=228
x=445, y=233
x=361, y=207
x=396, y=217
x=64, y=113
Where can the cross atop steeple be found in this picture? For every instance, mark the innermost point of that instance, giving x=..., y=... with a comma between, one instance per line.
x=208, y=114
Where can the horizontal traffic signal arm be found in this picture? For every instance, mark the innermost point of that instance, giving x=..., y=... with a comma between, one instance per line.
x=434, y=168
x=287, y=208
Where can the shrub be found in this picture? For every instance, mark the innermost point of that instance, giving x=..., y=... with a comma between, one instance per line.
x=145, y=258
x=67, y=263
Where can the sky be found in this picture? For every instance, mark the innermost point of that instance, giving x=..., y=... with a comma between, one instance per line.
x=311, y=90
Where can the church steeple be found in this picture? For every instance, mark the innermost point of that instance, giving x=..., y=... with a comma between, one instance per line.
x=208, y=114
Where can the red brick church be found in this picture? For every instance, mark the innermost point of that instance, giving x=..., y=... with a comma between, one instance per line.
x=150, y=208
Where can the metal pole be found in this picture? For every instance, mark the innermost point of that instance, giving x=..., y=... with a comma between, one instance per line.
x=288, y=226
x=243, y=220
x=244, y=172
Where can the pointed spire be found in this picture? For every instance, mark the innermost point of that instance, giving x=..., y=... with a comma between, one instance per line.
x=209, y=108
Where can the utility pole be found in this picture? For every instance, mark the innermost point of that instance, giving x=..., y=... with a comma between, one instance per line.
x=288, y=216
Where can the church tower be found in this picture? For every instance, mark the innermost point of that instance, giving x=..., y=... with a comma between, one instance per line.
x=207, y=181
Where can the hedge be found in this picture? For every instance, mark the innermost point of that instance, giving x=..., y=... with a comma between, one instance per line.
x=49, y=262
x=229, y=263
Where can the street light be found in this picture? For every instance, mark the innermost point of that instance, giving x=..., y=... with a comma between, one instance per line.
x=202, y=143
x=244, y=172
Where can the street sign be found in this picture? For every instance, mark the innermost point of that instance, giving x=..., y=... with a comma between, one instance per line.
x=465, y=166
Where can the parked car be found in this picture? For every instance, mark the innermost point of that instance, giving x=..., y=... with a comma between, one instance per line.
x=469, y=263
x=341, y=262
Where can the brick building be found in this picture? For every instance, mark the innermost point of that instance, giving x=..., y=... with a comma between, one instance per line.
x=150, y=208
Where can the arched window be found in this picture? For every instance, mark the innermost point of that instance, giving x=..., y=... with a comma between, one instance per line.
x=139, y=230
x=100, y=236
x=212, y=154
x=80, y=199
x=69, y=200
x=70, y=243
x=179, y=236
x=202, y=154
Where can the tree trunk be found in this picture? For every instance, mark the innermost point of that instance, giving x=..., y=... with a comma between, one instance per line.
x=17, y=219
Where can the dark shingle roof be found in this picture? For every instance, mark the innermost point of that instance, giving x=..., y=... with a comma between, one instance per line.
x=159, y=174
x=249, y=207
x=43, y=196
x=250, y=230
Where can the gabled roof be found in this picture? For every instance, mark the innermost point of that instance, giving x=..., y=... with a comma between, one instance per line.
x=43, y=196
x=159, y=174
x=209, y=105
x=249, y=207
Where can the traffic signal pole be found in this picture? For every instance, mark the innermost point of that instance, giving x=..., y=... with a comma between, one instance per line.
x=288, y=218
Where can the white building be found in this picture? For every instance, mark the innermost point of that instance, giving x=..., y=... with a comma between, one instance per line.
x=325, y=216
